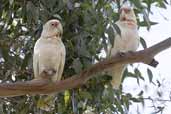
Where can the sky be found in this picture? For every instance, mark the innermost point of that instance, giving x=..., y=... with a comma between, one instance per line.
x=156, y=34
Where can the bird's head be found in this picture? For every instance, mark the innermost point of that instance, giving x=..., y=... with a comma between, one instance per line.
x=127, y=15
x=52, y=28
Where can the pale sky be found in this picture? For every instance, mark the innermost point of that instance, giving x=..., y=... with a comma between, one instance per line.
x=156, y=34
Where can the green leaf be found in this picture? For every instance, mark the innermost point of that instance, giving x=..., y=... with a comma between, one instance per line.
x=130, y=74
x=117, y=29
x=81, y=46
x=159, y=109
x=140, y=93
x=144, y=23
x=142, y=41
x=25, y=61
x=137, y=3
x=85, y=94
x=49, y=3
x=5, y=53
x=77, y=65
x=146, y=19
x=66, y=97
x=153, y=23
x=150, y=75
x=57, y=16
x=11, y=2
x=136, y=100
x=138, y=74
x=166, y=1
x=126, y=101
x=161, y=4
x=32, y=13
x=111, y=35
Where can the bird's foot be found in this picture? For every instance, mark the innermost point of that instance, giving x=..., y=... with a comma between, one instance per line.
x=121, y=54
x=49, y=72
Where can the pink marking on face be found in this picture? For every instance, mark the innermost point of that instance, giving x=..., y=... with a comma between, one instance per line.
x=55, y=24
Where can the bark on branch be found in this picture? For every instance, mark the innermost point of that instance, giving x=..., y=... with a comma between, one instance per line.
x=44, y=87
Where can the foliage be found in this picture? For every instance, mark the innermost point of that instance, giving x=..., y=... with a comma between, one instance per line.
x=85, y=27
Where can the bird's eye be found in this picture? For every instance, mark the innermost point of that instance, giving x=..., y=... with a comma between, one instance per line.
x=126, y=10
x=54, y=24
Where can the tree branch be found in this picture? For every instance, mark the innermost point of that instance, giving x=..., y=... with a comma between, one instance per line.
x=45, y=87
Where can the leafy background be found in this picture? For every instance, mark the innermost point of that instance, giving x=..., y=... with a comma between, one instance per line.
x=85, y=36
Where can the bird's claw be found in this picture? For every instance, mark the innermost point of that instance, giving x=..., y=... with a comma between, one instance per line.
x=49, y=72
x=121, y=54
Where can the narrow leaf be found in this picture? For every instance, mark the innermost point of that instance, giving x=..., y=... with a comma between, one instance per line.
x=150, y=75
x=137, y=3
x=111, y=35
x=117, y=29
x=77, y=65
x=142, y=41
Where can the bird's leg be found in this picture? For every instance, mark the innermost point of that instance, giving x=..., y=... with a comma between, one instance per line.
x=122, y=54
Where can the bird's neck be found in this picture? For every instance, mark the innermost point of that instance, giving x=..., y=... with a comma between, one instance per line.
x=128, y=24
x=51, y=36
x=131, y=24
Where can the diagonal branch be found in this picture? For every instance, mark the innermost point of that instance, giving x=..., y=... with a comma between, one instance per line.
x=44, y=87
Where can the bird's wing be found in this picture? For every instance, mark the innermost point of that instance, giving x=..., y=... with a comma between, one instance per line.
x=36, y=64
x=61, y=62
x=36, y=59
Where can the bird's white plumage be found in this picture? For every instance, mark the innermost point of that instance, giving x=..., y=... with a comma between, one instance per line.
x=127, y=41
x=49, y=55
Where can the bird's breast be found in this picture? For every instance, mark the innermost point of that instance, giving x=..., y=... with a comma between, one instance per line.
x=128, y=41
x=48, y=52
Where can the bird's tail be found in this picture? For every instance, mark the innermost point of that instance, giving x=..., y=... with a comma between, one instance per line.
x=46, y=102
x=116, y=73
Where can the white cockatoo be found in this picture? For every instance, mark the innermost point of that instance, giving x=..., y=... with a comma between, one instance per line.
x=49, y=57
x=128, y=40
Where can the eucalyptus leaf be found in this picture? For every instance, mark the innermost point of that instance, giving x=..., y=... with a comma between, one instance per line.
x=137, y=3
x=138, y=74
x=142, y=41
x=77, y=65
x=116, y=27
x=111, y=35
x=85, y=94
x=150, y=75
